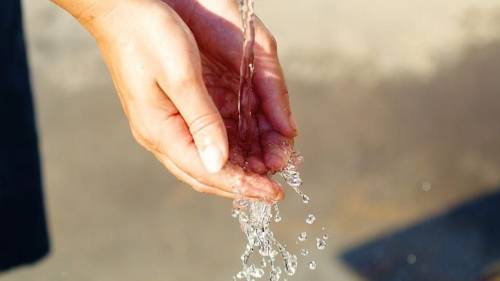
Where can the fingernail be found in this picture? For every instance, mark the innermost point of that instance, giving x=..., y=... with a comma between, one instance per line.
x=212, y=158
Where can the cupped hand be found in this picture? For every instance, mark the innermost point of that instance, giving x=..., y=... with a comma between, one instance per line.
x=175, y=65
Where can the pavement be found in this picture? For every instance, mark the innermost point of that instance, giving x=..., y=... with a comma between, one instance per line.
x=398, y=105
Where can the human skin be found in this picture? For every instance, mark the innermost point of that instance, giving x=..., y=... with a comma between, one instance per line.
x=175, y=66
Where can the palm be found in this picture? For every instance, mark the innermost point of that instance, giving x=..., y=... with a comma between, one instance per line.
x=265, y=148
x=223, y=85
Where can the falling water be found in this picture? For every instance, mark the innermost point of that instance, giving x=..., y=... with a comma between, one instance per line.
x=255, y=217
x=246, y=69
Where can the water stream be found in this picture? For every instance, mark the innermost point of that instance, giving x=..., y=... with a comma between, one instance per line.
x=256, y=217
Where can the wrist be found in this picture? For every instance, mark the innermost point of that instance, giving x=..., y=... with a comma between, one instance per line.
x=88, y=12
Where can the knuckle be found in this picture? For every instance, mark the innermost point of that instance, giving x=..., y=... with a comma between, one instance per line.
x=183, y=80
x=145, y=138
x=270, y=44
x=204, y=123
x=185, y=74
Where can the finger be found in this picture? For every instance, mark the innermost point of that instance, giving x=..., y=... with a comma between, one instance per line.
x=269, y=80
x=182, y=81
x=276, y=147
x=269, y=83
x=196, y=185
x=256, y=165
x=168, y=134
x=254, y=156
x=246, y=153
x=177, y=118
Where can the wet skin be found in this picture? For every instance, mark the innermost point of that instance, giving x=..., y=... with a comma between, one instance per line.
x=175, y=66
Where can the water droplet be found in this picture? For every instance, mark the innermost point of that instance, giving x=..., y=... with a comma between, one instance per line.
x=320, y=244
x=302, y=237
x=305, y=199
x=411, y=259
x=290, y=264
x=297, y=159
x=295, y=182
x=325, y=237
x=275, y=274
x=323, y=228
x=310, y=219
x=240, y=275
x=242, y=203
x=304, y=252
x=273, y=253
x=243, y=218
x=235, y=213
x=312, y=265
x=277, y=216
x=255, y=272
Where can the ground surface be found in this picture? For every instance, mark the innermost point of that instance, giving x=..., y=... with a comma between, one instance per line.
x=398, y=102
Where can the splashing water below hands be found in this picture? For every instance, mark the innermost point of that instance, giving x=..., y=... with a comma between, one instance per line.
x=255, y=217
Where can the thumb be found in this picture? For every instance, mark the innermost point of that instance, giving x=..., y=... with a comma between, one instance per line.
x=185, y=87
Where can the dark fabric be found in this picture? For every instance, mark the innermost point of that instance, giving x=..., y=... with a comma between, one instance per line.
x=23, y=232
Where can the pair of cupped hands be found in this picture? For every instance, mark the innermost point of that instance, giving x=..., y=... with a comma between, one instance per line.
x=175, y=65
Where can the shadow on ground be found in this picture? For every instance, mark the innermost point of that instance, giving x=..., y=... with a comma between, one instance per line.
x=458, y=245
x=451, y=118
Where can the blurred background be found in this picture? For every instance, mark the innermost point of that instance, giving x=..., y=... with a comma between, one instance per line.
x=398, y=103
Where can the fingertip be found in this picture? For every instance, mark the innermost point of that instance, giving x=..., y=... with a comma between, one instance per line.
x=286, y=126
x=278, y=192
x=280, y=195
x=213, y=158
x=261, y=187
x=280, y=119
x=272, y=161
x=256, y=165
x=275, y=161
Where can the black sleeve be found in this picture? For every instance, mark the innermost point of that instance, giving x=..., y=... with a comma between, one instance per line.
x=23, y=230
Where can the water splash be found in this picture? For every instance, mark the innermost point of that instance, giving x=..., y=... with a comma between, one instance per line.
x=312, y=265
x=310, y=219
x=320, y=244
x=277, y=215
x=255, y=217
x=302, y=237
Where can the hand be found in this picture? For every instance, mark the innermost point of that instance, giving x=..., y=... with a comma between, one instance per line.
x=167, y=80
x=216, y=25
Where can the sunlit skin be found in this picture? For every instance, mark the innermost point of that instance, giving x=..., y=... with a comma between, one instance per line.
x=175, y=66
